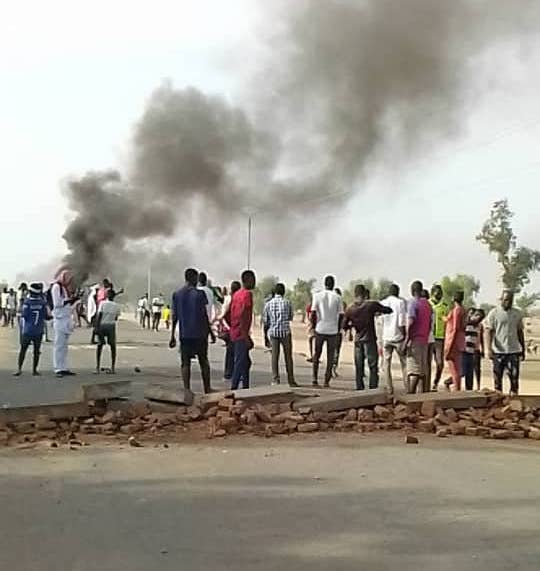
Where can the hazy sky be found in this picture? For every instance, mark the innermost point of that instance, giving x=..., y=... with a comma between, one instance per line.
x=76, y=76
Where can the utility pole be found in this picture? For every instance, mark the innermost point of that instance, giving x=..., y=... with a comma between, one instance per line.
x=149, y=283
x=249, y=244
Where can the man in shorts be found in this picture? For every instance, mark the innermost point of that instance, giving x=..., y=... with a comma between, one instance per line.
x=418, y=334
x=107, y=316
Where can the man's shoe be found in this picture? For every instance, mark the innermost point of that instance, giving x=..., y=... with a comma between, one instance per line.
x=68, y=373
x=293, y=384
x=315, y=384
x=17, y=373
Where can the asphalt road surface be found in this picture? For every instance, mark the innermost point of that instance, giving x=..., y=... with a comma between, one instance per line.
x=340, y=502
x=305, y=502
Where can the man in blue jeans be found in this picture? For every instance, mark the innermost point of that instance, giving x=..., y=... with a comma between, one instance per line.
x=241, y=318
x=361, y=315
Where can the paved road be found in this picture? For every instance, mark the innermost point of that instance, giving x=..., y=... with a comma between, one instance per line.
x=340, y=502
x=145, y=349
x=149, y=351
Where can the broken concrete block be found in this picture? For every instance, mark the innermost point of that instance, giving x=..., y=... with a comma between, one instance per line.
x=410, y=439
x=426, y=425
x=343, y=402
x=442, y=432
x=308, y=427
x=106, y=390
x=428, y=408
x=457, y=429
x=164, y=393
x=501, y=434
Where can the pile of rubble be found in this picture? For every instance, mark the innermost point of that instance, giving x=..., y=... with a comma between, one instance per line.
x=503, y=418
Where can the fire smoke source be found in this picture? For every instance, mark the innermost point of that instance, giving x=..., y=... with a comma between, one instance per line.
x=341, y=79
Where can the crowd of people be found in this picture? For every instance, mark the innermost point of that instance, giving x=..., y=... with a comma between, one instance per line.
x=423, y=332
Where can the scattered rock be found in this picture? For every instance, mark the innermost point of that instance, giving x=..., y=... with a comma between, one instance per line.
x=308, y=427
x=428, y=408
x=132, y=441
x=410, y=439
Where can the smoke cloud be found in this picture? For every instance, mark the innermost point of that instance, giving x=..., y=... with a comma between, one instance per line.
x=339, y=80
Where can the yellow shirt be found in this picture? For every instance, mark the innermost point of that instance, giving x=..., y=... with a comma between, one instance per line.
x=166, y=314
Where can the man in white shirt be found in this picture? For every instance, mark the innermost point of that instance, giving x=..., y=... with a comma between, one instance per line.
x=157, y=306
x=325, y=311
x=63, y=299
x=3, y=305
x=393, y=335
x=203, y=286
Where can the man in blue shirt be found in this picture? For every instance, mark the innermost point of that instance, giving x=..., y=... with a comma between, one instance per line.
x=190, y=313
x=34, y=312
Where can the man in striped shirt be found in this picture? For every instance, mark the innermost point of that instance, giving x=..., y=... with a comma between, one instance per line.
x=474, y=348
x=277, y=316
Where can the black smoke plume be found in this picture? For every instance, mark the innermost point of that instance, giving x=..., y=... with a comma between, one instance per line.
x=339, y=80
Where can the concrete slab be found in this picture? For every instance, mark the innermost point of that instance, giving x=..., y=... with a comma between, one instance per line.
x=168, y=394
x=334, y=402
x=56, y=411
x=106, y=390
x=459, y=400
x=262, y=395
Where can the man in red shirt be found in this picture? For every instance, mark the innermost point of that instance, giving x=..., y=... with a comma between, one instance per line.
x=241, y=317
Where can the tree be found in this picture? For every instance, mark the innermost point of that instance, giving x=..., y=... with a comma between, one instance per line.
x=526, y=302
x=300, y=295
x=378, y=290
x=517, y=262
x=263, y=290
x=469, y=285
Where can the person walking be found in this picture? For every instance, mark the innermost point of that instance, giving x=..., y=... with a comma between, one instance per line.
x=189, y=314
x=440, y=312
x=325, y=310
x=241, y=321
x=107, y=316
x=62, y=300
x=277, y=317
x=339, y=341
x=11, y=307
x=394, y=331
x=419, y=326
x=157, y=307
x=166, y=315
x=360, y=315
x=3, y=306
x=34, y=312
x=505, y=341
x=209, y=293
x=225, y=328
x=454, y=341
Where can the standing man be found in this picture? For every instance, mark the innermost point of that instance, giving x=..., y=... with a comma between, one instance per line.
x=107, y=316
x=505, y=342
x=225, y=319
x=277, y=317
x=418, y=331
x=325, y=310
x=11, y=308
x=241, y=319
x=63, y=300
x=34, y=312
x=361, y=316
x=393, y=336
x=157, y=308
x=189, y=313
x=210, y=301
x=3, y=306
x=454, y=343
x=440, y=312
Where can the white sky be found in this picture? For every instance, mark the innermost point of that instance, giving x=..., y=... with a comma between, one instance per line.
x=76, y=76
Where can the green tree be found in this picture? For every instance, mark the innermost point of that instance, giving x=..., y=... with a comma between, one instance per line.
x=517, y=262
x=526, y=302
x=469, y=285
x=262, y=291
x=300, y=295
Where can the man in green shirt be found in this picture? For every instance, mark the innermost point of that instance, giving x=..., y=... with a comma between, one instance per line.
x=440, y=312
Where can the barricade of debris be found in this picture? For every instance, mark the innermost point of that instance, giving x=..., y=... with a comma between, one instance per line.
x=500, y=418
